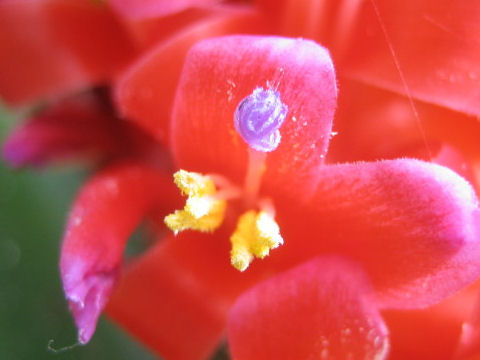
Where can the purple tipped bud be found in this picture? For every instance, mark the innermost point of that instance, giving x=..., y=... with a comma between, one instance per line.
x=87, y=296
x=258, y=118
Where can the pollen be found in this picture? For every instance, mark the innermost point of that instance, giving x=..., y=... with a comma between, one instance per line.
x=202, y=211
x=255, y=235
x=194, y=184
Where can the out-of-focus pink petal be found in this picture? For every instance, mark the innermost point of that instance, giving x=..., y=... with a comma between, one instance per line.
x=79, y=126
x=175, y=298
x=318, y=310
x=139, y=9
x=414, y=226
x=106, y=212
x=435, y=45
x=49, y=47
x=145, y=92
x=220, y=72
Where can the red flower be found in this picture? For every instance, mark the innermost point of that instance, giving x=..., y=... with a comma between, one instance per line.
x=363, y=241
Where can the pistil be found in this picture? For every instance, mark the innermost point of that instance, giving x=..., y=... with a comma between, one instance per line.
x=253, y=178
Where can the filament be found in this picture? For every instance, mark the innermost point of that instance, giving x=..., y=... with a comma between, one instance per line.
x=253, y=178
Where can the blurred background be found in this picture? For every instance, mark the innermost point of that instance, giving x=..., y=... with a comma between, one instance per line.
x=33, y=208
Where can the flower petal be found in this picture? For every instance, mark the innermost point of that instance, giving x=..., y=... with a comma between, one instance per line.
x=432, y=44
x=106, y=212
x=145, y=92
x=175, y=298
x=413, y=225
x=469, y=341
x=147, y=32
x=220, y=72
x=329, y=22
x=136, y=9
x=79, y=126
x=376, y=124
x=48, y=47
x=450, y=157
x=430, y=333
x=321, y=309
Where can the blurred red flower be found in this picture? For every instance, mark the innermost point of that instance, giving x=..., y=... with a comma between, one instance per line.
x=368, y=245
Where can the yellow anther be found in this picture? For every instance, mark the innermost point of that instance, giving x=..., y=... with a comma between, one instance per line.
x=256, y=234
x=194, y=184
x=202, y=211
x=183, y=220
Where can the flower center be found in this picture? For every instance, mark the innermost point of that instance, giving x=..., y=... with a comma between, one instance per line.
x=257, y=119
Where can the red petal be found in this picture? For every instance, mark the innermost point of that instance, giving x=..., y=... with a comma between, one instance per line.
x=175, y=298
x=149, y=31
x=429, y=334
x=377, y=124
x=327, y=21
x=413, y=225
x=435, y=44
x=52, y=46
x=138, y=9
x=219, y=73
x=145, y=93
x=106, y=212
x=469, y=342
x=319, y=310
x=79, y=126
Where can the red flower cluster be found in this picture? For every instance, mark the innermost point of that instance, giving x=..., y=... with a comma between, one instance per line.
x=345, y=254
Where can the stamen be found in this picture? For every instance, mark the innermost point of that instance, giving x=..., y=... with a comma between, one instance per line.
x=256, y=234
x=259, y=117
x=193, y=184
x=203, y=211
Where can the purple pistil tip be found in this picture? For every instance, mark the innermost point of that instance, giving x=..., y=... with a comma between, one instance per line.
x=259, y=117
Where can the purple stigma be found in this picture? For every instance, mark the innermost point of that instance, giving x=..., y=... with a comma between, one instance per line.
x=258, y=118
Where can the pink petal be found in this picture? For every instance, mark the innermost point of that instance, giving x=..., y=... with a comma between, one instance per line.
x=318, y=310
x=76, y=127
x=414, y=226
x=220, y=72
x=106, y=212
